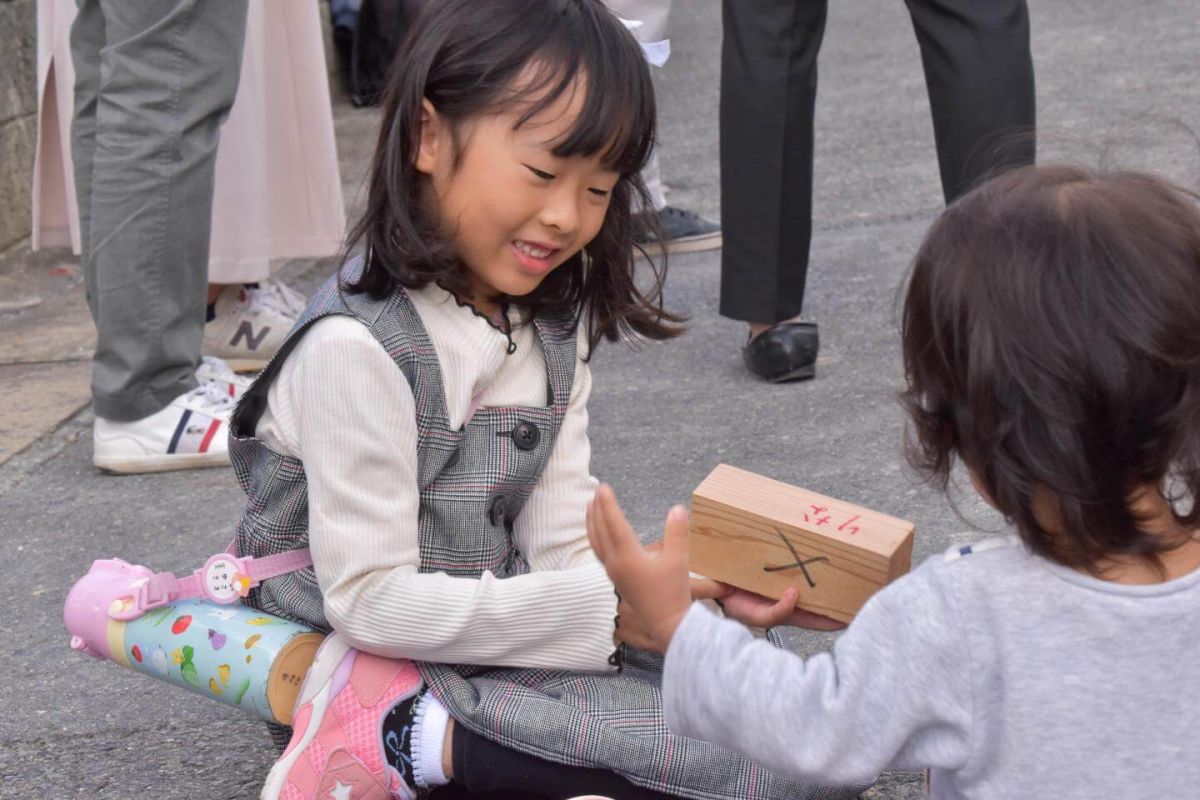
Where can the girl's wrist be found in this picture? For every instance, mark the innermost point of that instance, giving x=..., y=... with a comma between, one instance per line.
x=669, y=628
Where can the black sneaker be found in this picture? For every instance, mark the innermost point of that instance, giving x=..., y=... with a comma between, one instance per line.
x=682, y=232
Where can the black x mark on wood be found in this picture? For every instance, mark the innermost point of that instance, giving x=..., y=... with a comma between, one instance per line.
x=800, y=563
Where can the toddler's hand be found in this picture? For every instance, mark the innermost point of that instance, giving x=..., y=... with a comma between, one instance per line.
x=763, y=612
x=653, y=584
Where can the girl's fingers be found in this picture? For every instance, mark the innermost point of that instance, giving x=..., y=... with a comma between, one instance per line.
x=604, y=533
x=608, y=540
x=620, y=536
x=594, y=538
x=675, y=534
x=707, y=589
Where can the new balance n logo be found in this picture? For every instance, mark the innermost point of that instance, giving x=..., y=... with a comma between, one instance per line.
x=246, y=331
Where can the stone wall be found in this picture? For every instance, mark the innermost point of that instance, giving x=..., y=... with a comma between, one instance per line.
x=18, y=117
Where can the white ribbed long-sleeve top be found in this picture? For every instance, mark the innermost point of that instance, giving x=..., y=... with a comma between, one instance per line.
x=342, y=406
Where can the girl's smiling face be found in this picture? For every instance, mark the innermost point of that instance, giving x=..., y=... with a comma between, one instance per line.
x=511, y=209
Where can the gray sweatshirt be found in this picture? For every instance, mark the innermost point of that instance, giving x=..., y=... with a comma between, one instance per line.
x=1007, y=675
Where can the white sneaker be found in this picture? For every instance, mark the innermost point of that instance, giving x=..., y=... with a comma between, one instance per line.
x=193, y=431
x=287, y=298
x=249, y=326
x=217, y=371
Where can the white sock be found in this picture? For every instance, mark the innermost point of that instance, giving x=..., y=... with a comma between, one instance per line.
x=428, y=740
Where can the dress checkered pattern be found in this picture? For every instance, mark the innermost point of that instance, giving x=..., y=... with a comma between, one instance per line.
x=473, y=483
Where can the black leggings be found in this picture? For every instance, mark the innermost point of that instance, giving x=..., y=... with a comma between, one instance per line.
x=483, y=768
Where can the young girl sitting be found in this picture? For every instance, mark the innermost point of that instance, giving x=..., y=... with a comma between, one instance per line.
x=423, y=432
x=1052, y=344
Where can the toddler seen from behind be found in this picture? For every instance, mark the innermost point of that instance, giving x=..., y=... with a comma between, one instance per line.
x=1051, y=343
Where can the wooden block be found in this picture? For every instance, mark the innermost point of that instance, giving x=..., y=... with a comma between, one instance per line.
x=763, y=536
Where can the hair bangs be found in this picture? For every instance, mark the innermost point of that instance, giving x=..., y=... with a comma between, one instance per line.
x=617, y=118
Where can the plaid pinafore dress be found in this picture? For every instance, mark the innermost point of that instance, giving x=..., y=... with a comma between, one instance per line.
x=473, y=483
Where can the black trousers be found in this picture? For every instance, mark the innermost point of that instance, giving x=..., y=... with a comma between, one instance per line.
x=979, y=74
x=489, y=771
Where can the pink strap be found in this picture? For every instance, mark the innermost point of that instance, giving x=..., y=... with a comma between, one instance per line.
x=224, y=578
x=277, y=564
x=273, y=566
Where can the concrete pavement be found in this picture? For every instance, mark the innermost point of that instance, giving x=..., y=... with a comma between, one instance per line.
x=1116, y=83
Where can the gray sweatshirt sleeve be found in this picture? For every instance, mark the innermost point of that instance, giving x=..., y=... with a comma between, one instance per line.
x=895, y=691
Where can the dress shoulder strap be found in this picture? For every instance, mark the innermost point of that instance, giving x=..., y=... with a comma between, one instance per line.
x=392, y=320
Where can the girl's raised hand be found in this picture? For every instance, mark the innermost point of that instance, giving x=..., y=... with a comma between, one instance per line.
x=653, y=584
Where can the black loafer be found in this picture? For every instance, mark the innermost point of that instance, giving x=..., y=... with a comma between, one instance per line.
x=786, y=351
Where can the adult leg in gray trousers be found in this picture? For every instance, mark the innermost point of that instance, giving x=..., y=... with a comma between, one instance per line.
x=154, y=81
x=979, y=74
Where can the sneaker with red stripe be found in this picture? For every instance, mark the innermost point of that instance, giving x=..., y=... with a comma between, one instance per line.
x=217, y=370
x=191, y=432
x=336, y=749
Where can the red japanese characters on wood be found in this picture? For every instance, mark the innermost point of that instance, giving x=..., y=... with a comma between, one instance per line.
x=763, y=535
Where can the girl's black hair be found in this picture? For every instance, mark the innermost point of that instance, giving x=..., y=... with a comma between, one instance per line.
x=1052, y=342
x=466, y=56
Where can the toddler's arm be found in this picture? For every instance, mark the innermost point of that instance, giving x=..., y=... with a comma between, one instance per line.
x=894, y=692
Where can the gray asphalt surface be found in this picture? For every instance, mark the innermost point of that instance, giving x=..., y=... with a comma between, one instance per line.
x=1116, y=84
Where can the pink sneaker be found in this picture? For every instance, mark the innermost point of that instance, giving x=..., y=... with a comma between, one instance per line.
x=336, y=749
